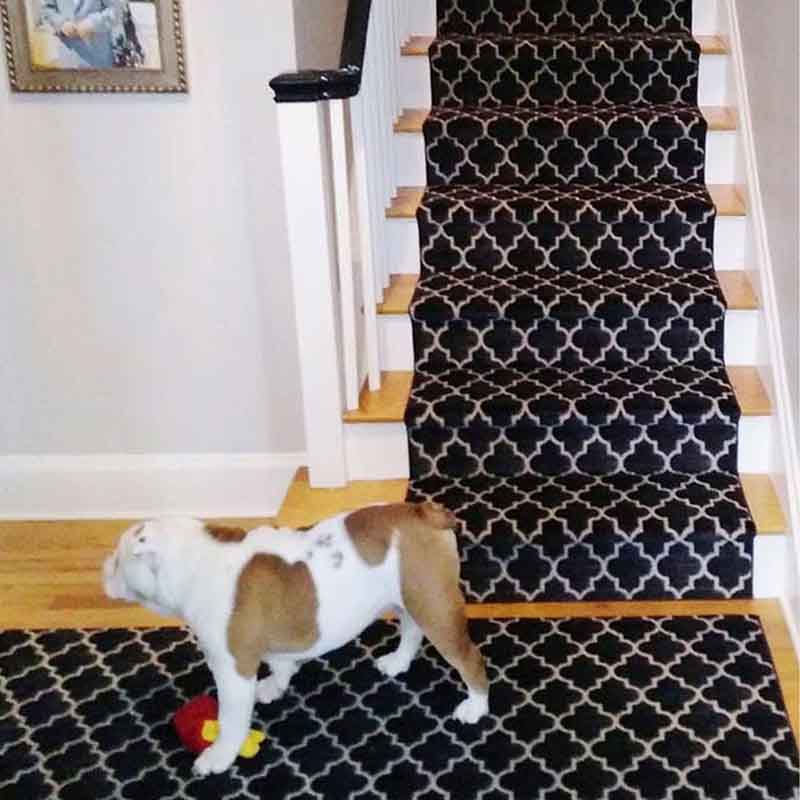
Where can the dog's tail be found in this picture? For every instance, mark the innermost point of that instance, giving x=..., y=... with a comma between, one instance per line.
x=436, y=516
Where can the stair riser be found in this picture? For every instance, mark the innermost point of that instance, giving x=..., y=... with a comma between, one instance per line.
x=771, y=557
x=741, y=340
x=415, y=89
x=379, y=451
x=705, y=18
x=409, y=151
x=729, y=244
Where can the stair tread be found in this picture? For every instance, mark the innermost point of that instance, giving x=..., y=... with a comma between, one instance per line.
x=738, y=291
x=726, y=197
x=306, y=505
x=504, y=293
x=735, y=284
x=455, y=397
x=389, y=403
x=419, y=45
x=719, y=118
x=397, y=296
x=762, y=497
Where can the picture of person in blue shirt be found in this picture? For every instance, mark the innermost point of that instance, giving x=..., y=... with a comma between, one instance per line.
x=92, y=34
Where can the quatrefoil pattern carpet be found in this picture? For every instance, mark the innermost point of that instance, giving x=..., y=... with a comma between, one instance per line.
x=570, y=400
x=617, y=709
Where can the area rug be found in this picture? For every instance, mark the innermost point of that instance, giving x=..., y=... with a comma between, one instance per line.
x=596, y=709
x=570, y=401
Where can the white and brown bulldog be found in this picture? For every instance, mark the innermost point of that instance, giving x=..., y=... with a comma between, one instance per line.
x=284, y=596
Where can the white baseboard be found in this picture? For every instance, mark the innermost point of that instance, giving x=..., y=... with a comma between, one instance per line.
x=136, y=486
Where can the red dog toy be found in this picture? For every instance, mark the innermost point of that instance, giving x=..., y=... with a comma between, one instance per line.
x=197, y=727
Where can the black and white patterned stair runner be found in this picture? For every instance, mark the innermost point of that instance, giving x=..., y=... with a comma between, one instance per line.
x=570, y=401
x=581, y=709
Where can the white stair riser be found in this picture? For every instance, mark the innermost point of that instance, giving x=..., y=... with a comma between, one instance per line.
x=705, y=17
x=415, y=82
x=379, y=450
x=397, y=352
x=376, y=451
x=741, y=338
x=771, y=554
x=730, y=238
x=422, y=15
x=410, y=158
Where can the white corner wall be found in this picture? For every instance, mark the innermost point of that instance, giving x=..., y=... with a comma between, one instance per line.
x=769, y=36
x=146, y=311
x=319, y=25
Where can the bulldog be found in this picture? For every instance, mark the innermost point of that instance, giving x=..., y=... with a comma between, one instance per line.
x=282, y=597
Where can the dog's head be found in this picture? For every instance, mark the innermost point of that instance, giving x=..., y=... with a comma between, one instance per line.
x=131, y=572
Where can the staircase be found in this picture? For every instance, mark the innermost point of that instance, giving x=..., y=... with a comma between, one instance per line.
x=554, y=327
x=695, y=340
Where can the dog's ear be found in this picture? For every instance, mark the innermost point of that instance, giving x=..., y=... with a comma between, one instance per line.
x=145, y=546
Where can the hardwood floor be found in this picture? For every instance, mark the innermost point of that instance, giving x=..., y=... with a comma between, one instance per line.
x=50, y=577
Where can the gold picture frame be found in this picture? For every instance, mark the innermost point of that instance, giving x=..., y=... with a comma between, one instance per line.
x=113, y=46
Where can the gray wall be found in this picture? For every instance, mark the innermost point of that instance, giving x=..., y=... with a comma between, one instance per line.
x=770, y=55
x=318, y=25
x=145, y=301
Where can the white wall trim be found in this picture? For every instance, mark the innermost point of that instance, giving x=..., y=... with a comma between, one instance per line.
x=134, y=486
x=776, y=377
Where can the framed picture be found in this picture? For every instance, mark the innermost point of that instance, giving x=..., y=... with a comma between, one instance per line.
x=94, y=45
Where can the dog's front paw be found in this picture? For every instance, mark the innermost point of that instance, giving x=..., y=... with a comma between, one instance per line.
x=393, y=664
x=214, y=759
x=269, y=690
x=472, y=709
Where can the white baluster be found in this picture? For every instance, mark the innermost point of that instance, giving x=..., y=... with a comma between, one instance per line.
x=385, y=122
x=394, y=55
x=378, y=169
x=341, y=196
x=367, y=244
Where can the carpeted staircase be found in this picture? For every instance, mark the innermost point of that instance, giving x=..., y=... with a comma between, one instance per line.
x=570, y=401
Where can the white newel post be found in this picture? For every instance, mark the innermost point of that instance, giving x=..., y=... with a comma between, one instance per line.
x=313, y=263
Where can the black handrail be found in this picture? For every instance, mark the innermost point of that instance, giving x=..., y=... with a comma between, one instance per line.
x=312, y=85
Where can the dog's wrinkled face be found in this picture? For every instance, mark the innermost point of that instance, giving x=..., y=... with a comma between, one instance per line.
x=131, y=571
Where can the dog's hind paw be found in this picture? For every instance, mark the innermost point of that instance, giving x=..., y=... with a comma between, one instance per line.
x=393, y=664
x=472, y=709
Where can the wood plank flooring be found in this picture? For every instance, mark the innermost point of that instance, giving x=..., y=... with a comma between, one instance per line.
x=50, y=577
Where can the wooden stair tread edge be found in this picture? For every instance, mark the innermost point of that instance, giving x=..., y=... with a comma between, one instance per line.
x=736, y=288
x=305, y=505
x=397, y=295
x=727, y=198
x=765, y=505
x=749, y=390
x=388, y=404
x=719, y=118
x=710, y=45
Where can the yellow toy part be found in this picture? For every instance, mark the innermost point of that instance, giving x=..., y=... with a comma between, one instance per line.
x=251, y=745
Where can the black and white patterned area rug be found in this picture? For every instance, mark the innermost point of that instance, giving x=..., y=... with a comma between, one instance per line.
x=570, y=400
x=581, y=709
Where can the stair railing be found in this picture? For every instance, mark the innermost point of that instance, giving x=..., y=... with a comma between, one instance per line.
x=339, y=174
